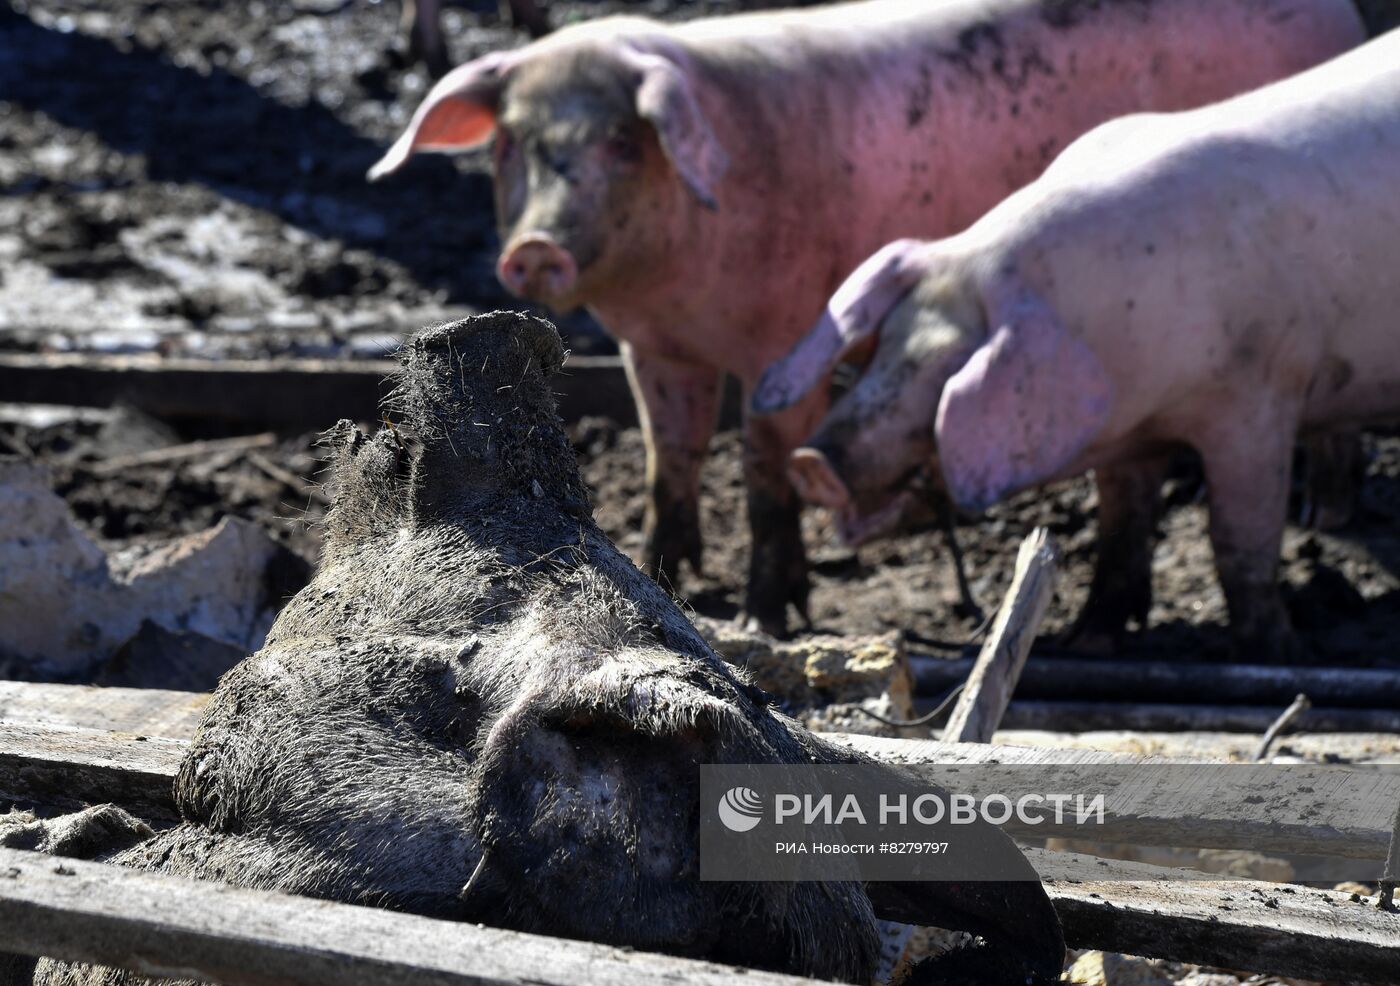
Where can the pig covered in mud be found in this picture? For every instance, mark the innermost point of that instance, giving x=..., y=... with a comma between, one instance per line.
x=480, y=710
x=1219, y=280
x=703, y=188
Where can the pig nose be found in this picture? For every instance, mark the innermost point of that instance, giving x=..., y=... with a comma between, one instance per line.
x=535, y=266
x=815, y=480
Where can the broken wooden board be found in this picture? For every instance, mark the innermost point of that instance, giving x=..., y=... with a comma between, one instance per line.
x=1276, y=929
x=160, y=925
x=1146, y=717
x=993, y=678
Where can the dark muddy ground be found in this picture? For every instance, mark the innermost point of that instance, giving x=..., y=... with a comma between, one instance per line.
x=187, y=177
x=1343, y=587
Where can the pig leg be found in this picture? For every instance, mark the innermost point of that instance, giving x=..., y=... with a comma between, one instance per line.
x=1247, y=476
x=421, y=23
x=676, y=402
x=1333, y=467
x=777, y=562
x=1122, y=587
x=529, y=15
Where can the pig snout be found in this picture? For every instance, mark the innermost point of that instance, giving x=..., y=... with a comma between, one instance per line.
x=537, y=267
x=815, y=479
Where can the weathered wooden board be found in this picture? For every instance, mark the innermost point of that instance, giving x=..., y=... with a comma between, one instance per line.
x=162, y=925
x=1322, y=810
x=1277, y=929
x=1073, y=679
x=69, y=768
x=166, y=926
x=63, y=766
x=140, y=711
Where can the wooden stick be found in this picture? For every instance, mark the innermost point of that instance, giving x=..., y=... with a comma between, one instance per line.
x=166, y=926
x=174, y=453
x=290, y=480
x=1290, y=715
x=1391, y=874
x=993, y=679
x=1057, y=678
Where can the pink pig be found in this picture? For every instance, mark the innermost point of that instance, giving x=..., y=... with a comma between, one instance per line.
x=1219, y=279
x=704, y=187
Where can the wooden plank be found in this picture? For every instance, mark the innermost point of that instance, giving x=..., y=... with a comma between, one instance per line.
x=61, y=765
x=1325, y=810
x=1075, y=716
x=70, y=768
x=139, y=711
x=1060, y=678
x=1276, y=929
x=161, y=925
x=988, y=691
x=278, y=393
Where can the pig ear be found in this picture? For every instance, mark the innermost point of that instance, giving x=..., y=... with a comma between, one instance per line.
x=854, y=313
x=1020, y=409
x=459, y=112
x=666, y=100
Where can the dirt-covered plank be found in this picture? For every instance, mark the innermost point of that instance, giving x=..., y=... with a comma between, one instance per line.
x=139, y=711
x=1325, y=810
x=62, y=767
x=167, y=926
x=1277, y=929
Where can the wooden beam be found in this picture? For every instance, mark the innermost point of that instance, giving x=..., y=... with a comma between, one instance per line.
x=988, y=691
x=1325, y=810
x=165, y=926
x=160, y=925
x=1276, y=929
x=52, y=761
x=139, y=711
x=277, y=393
x=1083, y=680
x=71, y=768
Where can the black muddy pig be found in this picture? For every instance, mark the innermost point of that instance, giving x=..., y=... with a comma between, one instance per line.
x=477, y=688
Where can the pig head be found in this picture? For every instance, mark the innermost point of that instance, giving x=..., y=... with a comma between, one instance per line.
x=964, y=397
x=588, y=133
x=480, y=710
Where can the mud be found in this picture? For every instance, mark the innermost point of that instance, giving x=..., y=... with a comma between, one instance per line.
x=188, y=177
x=1342, y=587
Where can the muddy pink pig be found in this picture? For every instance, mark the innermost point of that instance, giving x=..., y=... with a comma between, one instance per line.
x=1222, y=279
x=703, y=188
